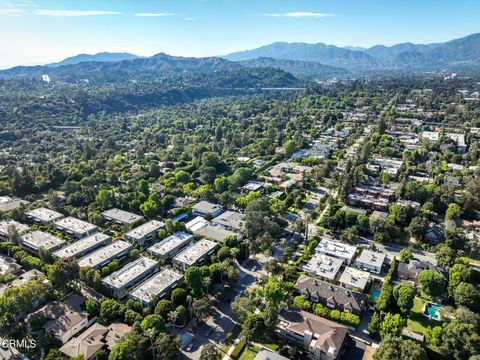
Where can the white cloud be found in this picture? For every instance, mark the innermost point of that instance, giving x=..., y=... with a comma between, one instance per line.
x=47, y=12
x=25, y=3
x=11, y=12
x=297, y=14
x=153, y=14
x=187, y=18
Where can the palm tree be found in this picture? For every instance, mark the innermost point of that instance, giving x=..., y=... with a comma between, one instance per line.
x=173, y=317
x=234, y=252
x=207, y=281
x=12, y=233
x=150, y=333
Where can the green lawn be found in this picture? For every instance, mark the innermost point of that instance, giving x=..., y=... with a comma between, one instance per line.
x=249, y=353
x=417, y=305
x=271, y=346
x=416, y=321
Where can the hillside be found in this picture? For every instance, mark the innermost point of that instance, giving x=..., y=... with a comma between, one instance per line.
x=310, y=70
x=197, y=72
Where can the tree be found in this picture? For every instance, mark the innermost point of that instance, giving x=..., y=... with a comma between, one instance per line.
x=182, y=317
x=173, y=317
x=132, y=346
x=166, y=347
x=454, y=211
x=55, y=354
x=253, y=327
x=110, y=310
x=151, y=207
x=374, y=324
x=460, y=340
x=210, y=352
x=201, y=309
x=12, y=233
x=63, y=272
x=466, y=294
x=105, y=198
x=395, y=348
x=391, y=325
x=406, y=255
x=143, y=187
x=290, y=147
x=240, y=308
x=179, y=296
x=193, y=278
x=418, y=227
x=456, y=274
x=431, y=283
x=270, y=316
x=445, y=255
x=273, y=291
x=404, y=294
x=163, y=308
x=154, y=322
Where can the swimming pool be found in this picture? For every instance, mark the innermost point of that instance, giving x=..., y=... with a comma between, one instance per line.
x=432, y=311
x=374, y=295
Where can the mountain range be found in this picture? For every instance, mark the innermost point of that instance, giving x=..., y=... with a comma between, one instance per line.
x=208, y=72
x=100, y=57
x=459, y=52
x=279, y=64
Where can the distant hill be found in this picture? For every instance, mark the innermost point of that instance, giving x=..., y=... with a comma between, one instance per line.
x=310, y=70
x=198, y=72
x=463, y=51
x=100, y=57
x=324, y=54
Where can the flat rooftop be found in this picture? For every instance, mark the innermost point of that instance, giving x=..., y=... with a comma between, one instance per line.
x=170, y=243
x=81, y=246
x=21, y=228
x=37, y=239
x=323, y=265
x=206, y=207
x=196, y=224
x=253, y=185
x=156, y=285
x=121, y=216
x=371, y=258
x=75, y=225
x=145, y=229
x=354, y=278
x=44, y=214
x=8, y=265
x=105, y=254
x=337, y=249
x=231, y=219
x=196, y=251
x=123, y=277
x=217, y=233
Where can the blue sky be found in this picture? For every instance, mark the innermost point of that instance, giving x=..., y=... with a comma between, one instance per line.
x=42, y=31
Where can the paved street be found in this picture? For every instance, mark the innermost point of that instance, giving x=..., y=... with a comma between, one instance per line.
x=216, y=328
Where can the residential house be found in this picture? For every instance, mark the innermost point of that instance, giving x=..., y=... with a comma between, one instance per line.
x=329, y=295
x=321, y=338
x=370, y=261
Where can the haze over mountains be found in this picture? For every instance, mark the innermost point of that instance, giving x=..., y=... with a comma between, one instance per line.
x=460, y=52
x=100, y=57
x=276, y=65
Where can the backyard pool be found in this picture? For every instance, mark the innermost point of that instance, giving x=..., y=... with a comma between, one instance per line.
x=432, y=311
x=374, y=295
